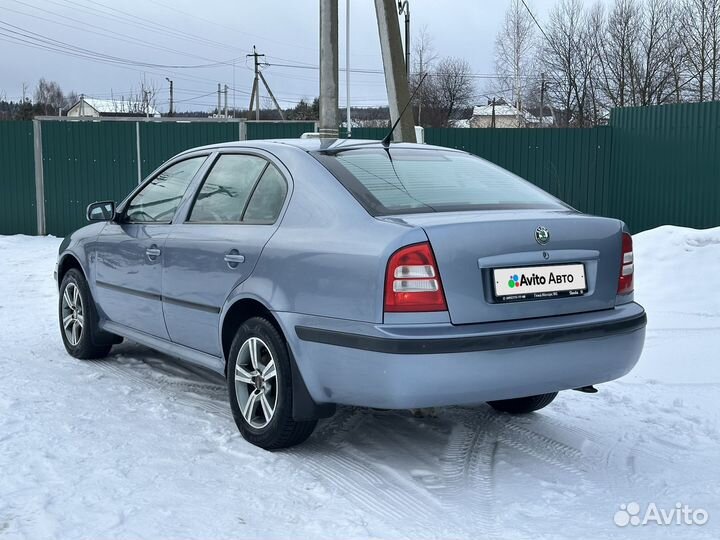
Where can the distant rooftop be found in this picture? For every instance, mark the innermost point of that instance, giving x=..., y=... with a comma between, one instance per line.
x=503, y=110
x=119, y=106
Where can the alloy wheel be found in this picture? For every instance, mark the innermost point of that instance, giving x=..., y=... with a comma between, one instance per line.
x=72, y=314
x=256, y=385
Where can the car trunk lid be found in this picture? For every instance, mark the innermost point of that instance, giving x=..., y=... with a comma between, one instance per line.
x=469, y=246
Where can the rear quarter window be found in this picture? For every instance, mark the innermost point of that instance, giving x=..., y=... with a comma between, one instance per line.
x=425, y=180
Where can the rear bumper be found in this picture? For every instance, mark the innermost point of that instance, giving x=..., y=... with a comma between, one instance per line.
x=407, y=366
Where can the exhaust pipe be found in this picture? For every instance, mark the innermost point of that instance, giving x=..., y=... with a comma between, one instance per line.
x=587, y=389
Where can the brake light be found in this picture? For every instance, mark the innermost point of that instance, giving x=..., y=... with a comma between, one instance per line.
x=412, y=281
x=627, y=268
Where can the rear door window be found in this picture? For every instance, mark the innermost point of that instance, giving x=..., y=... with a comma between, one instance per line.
x=425, y=180
x=227, y=189
x=268, y=197
x=240, y=189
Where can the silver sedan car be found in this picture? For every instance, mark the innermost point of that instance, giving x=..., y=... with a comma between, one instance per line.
x=314, y=273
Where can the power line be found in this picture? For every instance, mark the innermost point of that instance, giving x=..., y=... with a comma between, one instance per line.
x=532, y=15
x=87, y=53
x=368, y=71
x=108, y=12
x=104, y=32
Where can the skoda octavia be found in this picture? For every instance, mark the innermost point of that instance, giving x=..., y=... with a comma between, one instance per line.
x=313, y=273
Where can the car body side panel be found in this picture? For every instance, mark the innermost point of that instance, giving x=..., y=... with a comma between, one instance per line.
x=197, y=280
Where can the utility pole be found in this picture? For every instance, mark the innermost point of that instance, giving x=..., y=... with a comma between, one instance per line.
x=348, y=120
x=404, y=7
x=171, y=113
x=328, y=125
x=226, y=110
x=255, y=94
x=492, y=118
x=218, y=105
x=542, y=97
x=396, y=79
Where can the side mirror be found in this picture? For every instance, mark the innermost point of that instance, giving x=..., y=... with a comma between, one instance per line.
x=101, y=211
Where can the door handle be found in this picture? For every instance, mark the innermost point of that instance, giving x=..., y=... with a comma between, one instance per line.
x=153, y=252
x=233, y=258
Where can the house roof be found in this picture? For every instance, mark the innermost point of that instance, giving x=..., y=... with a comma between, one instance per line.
x=503, y=110
x=121, y=106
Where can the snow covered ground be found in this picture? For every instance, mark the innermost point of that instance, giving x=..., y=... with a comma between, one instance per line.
x=139, y=446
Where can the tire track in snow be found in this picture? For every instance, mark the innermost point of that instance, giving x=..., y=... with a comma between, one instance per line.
x=169, y=377
x=467, y=472
x=360, y=478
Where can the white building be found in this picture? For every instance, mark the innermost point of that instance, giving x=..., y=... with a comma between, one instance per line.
x=111, y=107
x=506, y=116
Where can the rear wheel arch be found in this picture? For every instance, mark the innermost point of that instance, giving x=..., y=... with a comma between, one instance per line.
x=238, y=313
x=304, y=407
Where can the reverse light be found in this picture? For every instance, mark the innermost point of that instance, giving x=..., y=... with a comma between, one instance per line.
x=412, y=281
x=627, y=267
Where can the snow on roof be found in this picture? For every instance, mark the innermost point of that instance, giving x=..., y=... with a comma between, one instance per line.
x=503, y=110
x=120, y=106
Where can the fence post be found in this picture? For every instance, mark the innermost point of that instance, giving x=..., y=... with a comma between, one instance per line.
x=137, y=151
x=242, y=130
x=39, y=178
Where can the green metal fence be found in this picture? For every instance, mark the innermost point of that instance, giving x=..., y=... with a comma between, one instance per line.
x=278, y=130
x=17, y=179
x=85, y=162
x=651, y=166
x=666, y=165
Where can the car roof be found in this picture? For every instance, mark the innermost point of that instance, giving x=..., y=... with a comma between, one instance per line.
x=315, y=145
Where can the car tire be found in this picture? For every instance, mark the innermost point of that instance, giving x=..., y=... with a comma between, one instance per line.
x=523, y=405
x=261, y=397
x=79, y=321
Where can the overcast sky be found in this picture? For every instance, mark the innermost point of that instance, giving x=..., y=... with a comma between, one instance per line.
x=191, y=33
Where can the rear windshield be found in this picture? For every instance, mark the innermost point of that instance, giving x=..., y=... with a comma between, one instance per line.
x=402, y=181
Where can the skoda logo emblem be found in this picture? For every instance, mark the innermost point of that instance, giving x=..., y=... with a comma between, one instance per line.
x=542, y=235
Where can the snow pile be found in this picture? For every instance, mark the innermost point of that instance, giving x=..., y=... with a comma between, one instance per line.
x=675, y=271
x=675, y=274
x=140, y=446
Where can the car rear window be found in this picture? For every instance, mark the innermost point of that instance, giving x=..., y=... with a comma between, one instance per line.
x=400, y=181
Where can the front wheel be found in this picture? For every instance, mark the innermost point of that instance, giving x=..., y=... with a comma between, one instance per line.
x=79, y=322
x=260, y=387
x=523, y=405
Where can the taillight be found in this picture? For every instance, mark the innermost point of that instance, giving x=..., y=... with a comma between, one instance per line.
x=625, y=283
x=412, y=282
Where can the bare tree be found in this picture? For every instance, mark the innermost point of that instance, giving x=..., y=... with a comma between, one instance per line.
x=618, y=46
x=568, y=57
x=449, y=87
x=700, y=21
x=515, y=53
x=49, y=96
x=141, y=101
x=676, y=56
x=424, y=58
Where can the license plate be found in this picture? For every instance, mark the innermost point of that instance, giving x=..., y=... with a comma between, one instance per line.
x=539, y=282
